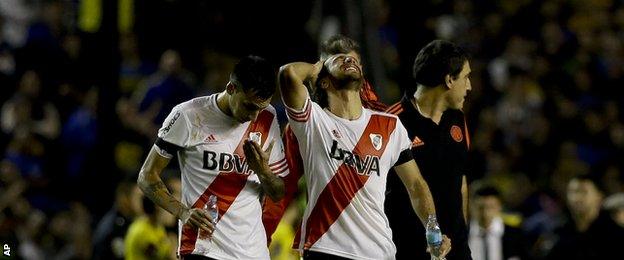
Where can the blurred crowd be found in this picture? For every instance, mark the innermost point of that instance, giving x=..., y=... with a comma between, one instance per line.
x=80, y=108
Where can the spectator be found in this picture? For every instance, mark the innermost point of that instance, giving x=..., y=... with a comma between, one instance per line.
x=69, y=234
x=29, y=111
x=108, y=238
x=133, y=69
x=146, y=237
x=615, y=205
x=17, y=15
x=590, y=233
x=491, y=238
x=169, y=86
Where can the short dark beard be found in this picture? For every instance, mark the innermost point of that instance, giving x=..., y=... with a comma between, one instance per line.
x=347, y=82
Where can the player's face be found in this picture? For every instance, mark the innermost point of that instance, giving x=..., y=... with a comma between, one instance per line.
x=583, y=196
x=355, y=55
x=246, y=105
x=459, y=87
x=487, y=208
x=344, y=66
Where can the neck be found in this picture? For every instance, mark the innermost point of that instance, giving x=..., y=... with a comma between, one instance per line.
x=345, y=103
x=223, y=103
x=430, y=102
x=583, y=220
x=485, y=223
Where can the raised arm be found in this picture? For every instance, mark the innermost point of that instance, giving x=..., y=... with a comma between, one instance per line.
x=153, y=187
x=291, y=80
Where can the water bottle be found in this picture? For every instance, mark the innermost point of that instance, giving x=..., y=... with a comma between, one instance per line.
x=434, y=237
x=213, y=211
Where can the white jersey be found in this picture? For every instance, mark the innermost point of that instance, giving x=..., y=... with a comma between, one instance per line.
x=209, y=147
x=346, y=163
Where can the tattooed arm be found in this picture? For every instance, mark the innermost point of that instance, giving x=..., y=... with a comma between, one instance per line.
x=153, y=187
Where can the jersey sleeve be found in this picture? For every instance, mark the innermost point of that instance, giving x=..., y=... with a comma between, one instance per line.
x=306, y=120
x=277, y=158
x=403, y=151
x=299, y=116
x=173, y=135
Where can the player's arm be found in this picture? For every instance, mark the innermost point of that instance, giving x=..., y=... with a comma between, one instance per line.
x=464, y=191
x=153, y=187
x=258, y=160
x=420, y=196
x=291, y=79
x=418, y=190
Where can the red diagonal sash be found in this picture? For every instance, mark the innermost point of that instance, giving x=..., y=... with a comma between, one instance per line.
x=346, y=182
x=227, y=185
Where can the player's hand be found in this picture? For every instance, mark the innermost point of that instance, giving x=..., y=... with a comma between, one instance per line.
x=257, y=159
x=198, y=218
x=318, y=66
x=444, y=249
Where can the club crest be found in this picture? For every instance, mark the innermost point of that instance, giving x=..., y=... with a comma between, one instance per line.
x=456, y=134
x=377, y=141
x=336, y=133
x=255, y=136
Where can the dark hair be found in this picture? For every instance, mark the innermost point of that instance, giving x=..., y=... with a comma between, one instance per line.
x=319, y=94
x=254, y=73
x=338, y=44
x=486, y=191
x=436, y=60
x=593, y=178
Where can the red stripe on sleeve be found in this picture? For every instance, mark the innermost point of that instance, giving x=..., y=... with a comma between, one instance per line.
x=394, y=108
x=282, y=161
x=300, y=116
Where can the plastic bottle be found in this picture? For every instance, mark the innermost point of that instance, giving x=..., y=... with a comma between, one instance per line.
x=434, y=237
x=213, y=211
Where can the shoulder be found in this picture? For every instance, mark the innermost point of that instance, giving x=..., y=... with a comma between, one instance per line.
x=194, y=104
x=268, y=113
x=395, y=109
x=389, y=121
x=383, y=114
x=270, y=109
x=455, y=114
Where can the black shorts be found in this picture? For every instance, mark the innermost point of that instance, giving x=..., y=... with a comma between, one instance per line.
x=312, y=255
x=195, y=257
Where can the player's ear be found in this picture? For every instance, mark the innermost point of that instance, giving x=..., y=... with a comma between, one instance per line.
x=324, y=83
x=230, y=87
x=448, y=81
